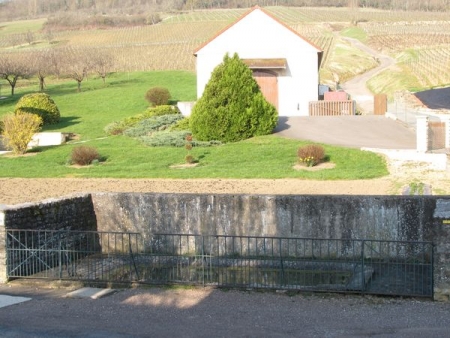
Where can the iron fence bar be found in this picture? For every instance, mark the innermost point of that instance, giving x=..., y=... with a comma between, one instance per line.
x=432, y=270
x=132, y=260
x=363, y=286
x=59, y=256
x=203, y=261
x=281, y=263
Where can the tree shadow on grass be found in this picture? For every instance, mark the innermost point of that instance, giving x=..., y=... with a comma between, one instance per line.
x=64, y=122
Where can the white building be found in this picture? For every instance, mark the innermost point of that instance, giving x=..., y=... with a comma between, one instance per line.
x=285, y=65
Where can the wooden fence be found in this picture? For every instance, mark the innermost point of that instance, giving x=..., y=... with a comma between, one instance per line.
x=331, y=108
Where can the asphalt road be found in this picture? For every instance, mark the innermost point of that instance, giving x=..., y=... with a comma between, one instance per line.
x=158, y=312
x=349, y=131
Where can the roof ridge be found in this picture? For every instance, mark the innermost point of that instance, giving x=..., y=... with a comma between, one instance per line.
x=256, y=7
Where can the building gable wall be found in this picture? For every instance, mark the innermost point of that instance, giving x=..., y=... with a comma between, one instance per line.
x=259, y=36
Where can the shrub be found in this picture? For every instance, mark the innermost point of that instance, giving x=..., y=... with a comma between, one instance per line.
x=84, y=155
x=158, y=96
x=173, y=139
x=162, y=110
x=118, y=127
x=232, y=107
x=18, y=130
x=311, y=154
x=114, y=128
x=182, y=124
x=188, y=146
x=165, y=139
x=40, y=104
x=151, y=125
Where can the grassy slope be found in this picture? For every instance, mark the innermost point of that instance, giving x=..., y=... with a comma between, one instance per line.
x=87, y=113
x=22, y=26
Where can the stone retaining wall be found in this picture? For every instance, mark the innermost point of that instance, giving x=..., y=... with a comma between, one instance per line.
x=405, y=218
x=72, y=213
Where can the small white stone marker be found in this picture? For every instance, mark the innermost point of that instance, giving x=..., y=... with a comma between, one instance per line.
x=11, y=300
x=94, y=293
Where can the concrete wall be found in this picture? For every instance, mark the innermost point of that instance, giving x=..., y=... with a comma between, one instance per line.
x=406, y=218
x=353, y=217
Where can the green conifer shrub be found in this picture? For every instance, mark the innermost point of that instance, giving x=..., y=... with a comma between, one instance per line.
x=232, y=107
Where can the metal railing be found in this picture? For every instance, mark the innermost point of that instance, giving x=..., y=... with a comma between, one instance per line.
x=342, y=265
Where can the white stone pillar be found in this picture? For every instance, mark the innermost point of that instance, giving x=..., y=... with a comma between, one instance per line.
x=446, y=119
x=422, y=134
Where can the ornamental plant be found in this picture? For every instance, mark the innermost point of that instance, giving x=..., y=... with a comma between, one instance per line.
x=158, y=96
x=311, y=154
x=188, y=146
x=232, y=107
x=40, y=104
x=18, y=130
x=84, y=155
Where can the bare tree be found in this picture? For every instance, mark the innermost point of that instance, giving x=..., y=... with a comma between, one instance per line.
x=75, y=64
x=101, y=62
x=49, y=35
x=29, y=37
x=45, y=62
x=13, y=67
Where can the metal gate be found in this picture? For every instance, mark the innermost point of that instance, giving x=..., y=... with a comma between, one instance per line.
x=336, y=265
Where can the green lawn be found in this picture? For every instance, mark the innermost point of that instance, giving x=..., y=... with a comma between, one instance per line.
x=88, y=112
x=21, y=26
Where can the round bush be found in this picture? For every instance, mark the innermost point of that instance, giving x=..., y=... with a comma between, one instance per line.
x=311, y=154
x=84, y=155
x=40, y=104
x=158, y=96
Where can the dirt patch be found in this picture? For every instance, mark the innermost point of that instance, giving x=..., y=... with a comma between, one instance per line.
x=11, y=155
x=22, y=190
x=184, y=166
x=320, y=166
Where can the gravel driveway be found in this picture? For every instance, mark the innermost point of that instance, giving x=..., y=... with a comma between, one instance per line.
x=163, y=312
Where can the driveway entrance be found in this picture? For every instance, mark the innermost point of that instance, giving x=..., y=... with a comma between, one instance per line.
x=367, y=131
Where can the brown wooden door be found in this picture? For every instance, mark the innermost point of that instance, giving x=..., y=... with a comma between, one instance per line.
x=268, y=82
x=380, y=104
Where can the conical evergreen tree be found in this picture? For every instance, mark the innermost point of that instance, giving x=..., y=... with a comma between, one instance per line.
x=232, y=107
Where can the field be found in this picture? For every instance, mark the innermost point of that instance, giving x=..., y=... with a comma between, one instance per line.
x=420, y=42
